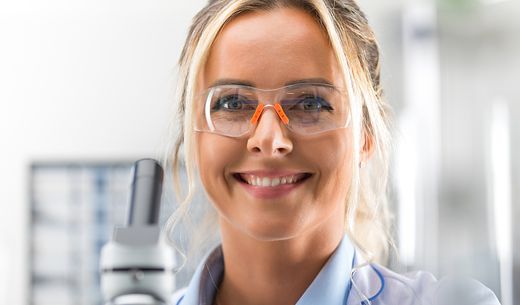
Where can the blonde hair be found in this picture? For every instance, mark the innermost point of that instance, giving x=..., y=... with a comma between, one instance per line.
x=353, y=42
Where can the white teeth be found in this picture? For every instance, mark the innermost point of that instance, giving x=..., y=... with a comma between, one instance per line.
x=266, y=181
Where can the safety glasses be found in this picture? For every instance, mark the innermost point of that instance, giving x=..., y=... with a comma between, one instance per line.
x=234, y=110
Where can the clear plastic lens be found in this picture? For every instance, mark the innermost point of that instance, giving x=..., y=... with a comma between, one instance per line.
x=310, y=108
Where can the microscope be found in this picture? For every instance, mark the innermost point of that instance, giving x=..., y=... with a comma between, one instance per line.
x=137, y=266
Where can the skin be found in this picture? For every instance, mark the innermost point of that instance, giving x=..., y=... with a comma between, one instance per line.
x=274, y=248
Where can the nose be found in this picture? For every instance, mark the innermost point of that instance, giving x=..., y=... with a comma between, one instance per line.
x=270, y=137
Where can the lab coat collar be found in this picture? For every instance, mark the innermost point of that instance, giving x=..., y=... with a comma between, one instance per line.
x=367, y=281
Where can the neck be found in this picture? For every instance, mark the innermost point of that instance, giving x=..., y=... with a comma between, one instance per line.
x=273, y=272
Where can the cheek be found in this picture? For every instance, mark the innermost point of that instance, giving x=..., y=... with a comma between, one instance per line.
x=214, y=155
x=332, y=155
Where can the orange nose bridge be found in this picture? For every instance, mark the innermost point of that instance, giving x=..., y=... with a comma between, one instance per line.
x=279, y=110
x=257, y=113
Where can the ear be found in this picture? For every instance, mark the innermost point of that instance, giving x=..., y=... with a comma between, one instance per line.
x=366, y=147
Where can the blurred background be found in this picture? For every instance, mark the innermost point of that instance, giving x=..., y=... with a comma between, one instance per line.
x=86, y=88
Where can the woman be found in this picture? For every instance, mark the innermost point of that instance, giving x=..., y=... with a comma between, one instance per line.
x=284, y=122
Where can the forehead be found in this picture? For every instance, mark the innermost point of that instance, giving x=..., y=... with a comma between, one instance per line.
x=271, y=48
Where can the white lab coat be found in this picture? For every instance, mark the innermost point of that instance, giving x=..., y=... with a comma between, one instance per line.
x=382, y=286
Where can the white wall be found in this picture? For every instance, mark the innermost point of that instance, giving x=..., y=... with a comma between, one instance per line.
x=79, y=80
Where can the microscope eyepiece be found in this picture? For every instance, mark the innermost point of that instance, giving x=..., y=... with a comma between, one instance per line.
x=145, y=200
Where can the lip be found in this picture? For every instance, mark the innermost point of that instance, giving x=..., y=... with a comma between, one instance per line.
x=271, y=173
x=271, y=192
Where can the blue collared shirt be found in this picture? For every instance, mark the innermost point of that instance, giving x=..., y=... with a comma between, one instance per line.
x=331, y=285
x=346, y=279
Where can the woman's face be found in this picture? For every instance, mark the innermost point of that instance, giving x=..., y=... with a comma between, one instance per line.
x=268, y=50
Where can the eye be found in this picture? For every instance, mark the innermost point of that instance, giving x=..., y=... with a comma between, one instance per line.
x=232, y=102
x=312, y=103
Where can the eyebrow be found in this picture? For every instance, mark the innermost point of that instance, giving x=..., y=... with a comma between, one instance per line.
x=318, y=80
x=231, y=81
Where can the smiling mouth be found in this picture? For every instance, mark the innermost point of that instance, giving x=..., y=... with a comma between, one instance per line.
x=265, y=182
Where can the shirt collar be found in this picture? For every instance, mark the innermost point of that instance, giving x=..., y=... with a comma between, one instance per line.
x=331, y=286
x=206, y=279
